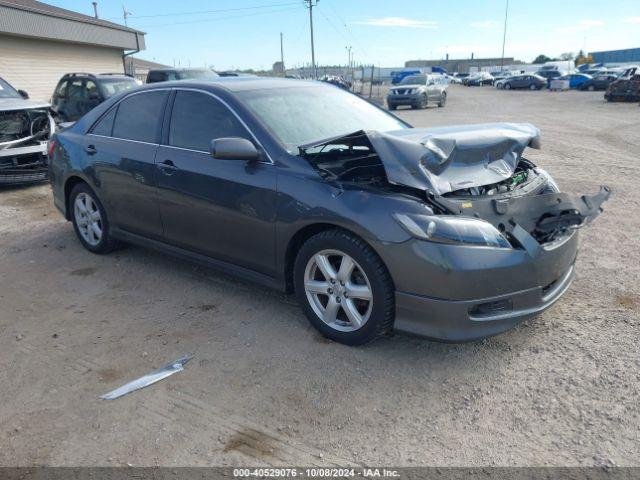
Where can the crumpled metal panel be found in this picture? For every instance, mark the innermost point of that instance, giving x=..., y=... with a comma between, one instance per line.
x=447, y=159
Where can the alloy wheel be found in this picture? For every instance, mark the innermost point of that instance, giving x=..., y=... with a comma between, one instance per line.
x=88, y=219
x=338, y=290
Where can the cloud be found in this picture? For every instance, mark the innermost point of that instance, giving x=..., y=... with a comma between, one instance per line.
x=634, y=20
x=485, y=24
x=399, y=22
x=580, y=26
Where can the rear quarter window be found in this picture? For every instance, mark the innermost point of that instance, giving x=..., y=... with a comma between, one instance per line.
x=104, y=126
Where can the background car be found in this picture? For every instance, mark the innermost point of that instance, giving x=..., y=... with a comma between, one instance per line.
x=626, y=88
x=575, y=79
x=337, y=81
x=25, y=128
x=532, y=82
x=168, y=74
x=598, y=82
x=478, y=79
x=419, y=91
x=78, y=93
x=548, y=74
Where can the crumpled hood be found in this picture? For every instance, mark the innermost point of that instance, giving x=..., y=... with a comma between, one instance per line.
x=12, y=104
x=447, y=159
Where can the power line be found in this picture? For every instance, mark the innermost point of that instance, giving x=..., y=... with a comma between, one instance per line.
x=348, y=30
x=199, y=12
x=217, y=19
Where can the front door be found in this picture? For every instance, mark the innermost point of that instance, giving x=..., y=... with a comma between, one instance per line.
x=220, y=208
x=123, y=145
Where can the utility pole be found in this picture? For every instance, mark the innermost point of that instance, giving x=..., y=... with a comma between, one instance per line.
x=284, y=72
x=310, y=5
x=95, y=9
x=125, y=14
x=504, y=35
x=348, y=49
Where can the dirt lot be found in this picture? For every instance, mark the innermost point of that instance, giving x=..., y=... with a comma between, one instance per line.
x=264, y=388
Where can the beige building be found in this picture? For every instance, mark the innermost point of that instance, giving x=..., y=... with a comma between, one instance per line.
x=39, y=43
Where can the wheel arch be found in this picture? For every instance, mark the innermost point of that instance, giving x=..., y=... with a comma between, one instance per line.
x=301, y=236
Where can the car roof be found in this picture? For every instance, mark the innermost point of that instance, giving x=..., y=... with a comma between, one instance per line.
x=237, y=84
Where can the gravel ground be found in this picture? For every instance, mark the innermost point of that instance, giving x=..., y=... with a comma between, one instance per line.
x=264, y=388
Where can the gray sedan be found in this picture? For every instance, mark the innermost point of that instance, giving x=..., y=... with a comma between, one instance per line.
x=448, y=232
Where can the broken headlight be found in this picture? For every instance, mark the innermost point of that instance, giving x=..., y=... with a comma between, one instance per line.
x=452, y=229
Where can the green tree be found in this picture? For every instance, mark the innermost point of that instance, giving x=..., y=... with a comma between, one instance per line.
x=542, y=59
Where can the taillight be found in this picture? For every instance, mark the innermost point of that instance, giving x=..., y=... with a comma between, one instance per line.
x=51, y=147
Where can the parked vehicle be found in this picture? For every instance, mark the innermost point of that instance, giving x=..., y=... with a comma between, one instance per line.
x=25, y=128
x=419, y=91
x=599, y=82
x=446, y=232
x=168, y=74
x=478, y=79
x=337, y=81
x=575, y=79
x=397, y=77
x=548, y=75
x=78, y=93
x=626, y=88
x=532, y=82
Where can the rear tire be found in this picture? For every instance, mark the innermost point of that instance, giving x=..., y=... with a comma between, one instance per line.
x=90, y=220
x=328, y=294
x=507, y=86
x=533, y=87
x=591, y=88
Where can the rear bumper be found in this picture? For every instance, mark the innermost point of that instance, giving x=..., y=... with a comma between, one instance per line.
x=466, y=320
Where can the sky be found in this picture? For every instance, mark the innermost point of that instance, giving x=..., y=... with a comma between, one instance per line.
x=238, y=34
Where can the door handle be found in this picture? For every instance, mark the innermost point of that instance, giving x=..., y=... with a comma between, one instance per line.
x=90, y=149
x=167, y=167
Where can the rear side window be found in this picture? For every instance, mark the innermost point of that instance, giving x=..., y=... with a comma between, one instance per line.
x=139, y=116
x=105, y=125
x=198, y=118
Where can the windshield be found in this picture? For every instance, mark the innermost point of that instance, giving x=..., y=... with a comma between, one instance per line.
x=7, y=91
x=414, y=80
x=203, y=74
x=112, y=86
x=301, y=115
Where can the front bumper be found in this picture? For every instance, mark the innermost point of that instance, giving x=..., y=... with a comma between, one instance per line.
x=460, y=293
x=21, y=165
x=404, y=99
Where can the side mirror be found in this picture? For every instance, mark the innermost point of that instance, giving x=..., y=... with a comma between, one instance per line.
x=234, y=148
x=23, y=94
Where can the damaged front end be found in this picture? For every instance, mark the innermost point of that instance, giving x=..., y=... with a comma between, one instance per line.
x=477, y=186
x=24, y=135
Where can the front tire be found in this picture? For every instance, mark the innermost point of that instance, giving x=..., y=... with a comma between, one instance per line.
x=443, y=100
x=533, y=87
x=90, y=220
x=344, y=288
x=507, y=86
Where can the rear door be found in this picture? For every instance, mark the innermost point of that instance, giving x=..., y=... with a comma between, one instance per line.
x=216, y=207
x=123, y=146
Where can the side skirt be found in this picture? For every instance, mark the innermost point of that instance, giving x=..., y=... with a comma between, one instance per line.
x=224, y=267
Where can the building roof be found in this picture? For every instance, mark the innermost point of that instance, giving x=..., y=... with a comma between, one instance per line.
x=46, y=9
x=31, y=18
x=140, y=63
